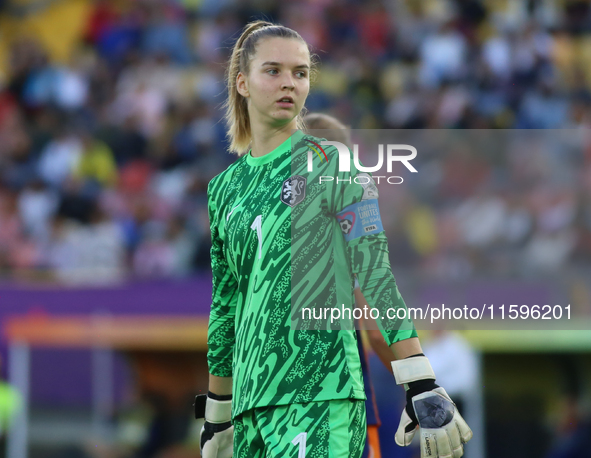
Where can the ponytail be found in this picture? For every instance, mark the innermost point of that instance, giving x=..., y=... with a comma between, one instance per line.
x=239, y=129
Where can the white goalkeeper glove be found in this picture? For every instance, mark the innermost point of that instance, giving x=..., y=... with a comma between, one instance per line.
x=217, y=434
x=443, y=431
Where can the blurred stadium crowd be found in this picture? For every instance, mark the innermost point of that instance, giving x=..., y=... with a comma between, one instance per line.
x=105, y=159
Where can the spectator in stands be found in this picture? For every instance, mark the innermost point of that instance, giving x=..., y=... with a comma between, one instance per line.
x=60, y=156
x=96, y=164
x=148, y=85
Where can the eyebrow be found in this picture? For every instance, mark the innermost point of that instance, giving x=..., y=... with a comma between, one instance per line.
x=277, y=64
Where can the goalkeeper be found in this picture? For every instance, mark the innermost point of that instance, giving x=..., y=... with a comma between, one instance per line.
x=274, y=391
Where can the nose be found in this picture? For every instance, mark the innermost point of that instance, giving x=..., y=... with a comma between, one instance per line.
x=287, y=82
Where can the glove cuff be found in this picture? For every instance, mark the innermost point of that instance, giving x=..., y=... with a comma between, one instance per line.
x=411, y=370
x=216, y=409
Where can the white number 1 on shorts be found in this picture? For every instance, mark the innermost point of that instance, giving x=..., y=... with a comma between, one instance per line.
x=301, y=439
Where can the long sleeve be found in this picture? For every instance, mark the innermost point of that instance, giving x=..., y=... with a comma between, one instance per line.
x=370, y=262
x=355, y=204
x=221, y=330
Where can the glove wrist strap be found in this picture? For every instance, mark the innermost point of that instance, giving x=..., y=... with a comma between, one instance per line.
x=216, y=427
x=411, y=370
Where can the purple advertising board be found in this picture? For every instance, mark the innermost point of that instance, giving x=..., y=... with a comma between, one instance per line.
x=63, y=376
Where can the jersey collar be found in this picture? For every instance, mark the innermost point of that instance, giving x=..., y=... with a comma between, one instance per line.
x=277, y=152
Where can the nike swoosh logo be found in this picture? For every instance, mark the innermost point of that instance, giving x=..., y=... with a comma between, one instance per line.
x=232, y=211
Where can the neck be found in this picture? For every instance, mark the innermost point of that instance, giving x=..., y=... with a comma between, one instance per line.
x=265, y=139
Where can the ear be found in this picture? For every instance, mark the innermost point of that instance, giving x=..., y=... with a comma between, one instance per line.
x=242, y=85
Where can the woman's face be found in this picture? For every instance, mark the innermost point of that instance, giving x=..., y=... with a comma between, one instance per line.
x=278, y=81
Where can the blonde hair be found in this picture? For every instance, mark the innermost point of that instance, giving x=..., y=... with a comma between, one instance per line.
x=243, y=51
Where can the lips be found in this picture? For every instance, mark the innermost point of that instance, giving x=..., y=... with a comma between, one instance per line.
x=285, y=102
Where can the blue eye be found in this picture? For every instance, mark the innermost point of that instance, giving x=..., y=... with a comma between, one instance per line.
x=272, y=70
x=301, y=74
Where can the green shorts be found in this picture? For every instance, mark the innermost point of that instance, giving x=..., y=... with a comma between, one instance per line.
x=324, y=429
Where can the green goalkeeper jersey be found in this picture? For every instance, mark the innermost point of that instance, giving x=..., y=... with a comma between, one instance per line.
x=277, y=233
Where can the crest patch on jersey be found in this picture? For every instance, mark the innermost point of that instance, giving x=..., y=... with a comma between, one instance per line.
x=293, y=190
